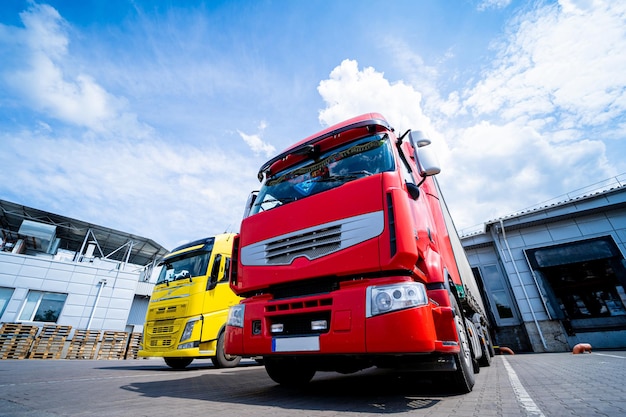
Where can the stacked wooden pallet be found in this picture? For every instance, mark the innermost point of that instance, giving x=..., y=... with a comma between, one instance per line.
x=83, y=345
x=50, y=342
x=113, y=345
x=16, y=340
x=21, y=341
x=134, y=344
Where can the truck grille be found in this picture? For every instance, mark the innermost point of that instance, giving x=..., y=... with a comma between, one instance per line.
x=314, y=242
x=160, y=342
x=161, y=334
x=297, y=305
x=162, y=329
x=312, y=245
x=168, y=312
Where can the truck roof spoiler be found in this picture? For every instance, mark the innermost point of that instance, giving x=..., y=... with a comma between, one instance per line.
x=333, y=130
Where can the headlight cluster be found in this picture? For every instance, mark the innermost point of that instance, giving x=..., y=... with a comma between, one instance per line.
x=189, y=329
x=235, y=315
x=385, y=298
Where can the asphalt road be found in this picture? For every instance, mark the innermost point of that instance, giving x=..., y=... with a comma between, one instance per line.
x=553, y=384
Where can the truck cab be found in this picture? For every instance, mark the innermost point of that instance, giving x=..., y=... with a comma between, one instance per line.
x=345, y=260
x=189, y=305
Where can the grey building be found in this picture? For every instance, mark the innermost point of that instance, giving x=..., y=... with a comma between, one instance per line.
x=555, y=276
x=55, y=269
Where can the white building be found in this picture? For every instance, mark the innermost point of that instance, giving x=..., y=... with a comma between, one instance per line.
x=54, y=269
x=555, y=276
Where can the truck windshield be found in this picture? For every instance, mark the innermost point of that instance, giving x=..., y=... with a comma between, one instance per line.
x=354, y=160
x=185, y=267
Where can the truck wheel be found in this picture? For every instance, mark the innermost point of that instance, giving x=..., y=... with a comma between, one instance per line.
x=288, y=371
x=463, y=378
x=178, y=363
x=485, y=344
x=492, y=351
x=221, y=358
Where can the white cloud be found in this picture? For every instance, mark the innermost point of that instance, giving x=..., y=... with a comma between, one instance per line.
x=256, y=144
x=494, y=170
x=557, y=80
x=521, y=134
x=168, y=192
x=83, y=158
x=420, y=76
x=518, y=135
x=350, y=92
x=564, y=63
x=44, y=84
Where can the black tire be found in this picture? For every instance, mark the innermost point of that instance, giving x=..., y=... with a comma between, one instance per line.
x=492, y=351
x=289, y=371
x=221, y=358
x=178, y=363
x=463, y=378
x=471, y=333
x=485, y=346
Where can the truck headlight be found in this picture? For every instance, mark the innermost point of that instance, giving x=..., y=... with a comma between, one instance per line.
x=235, y=315
x=189, y=329
x=385, y=298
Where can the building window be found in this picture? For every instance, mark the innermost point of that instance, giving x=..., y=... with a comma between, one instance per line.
x=42, y=306
x=497, y=294
x=5, y=297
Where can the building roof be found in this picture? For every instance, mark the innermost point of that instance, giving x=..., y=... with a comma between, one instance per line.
x=74, y=235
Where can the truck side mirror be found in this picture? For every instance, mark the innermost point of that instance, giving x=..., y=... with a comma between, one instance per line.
x=215, y=272
x=249, y=203
x=425, y=157
x=226, y=273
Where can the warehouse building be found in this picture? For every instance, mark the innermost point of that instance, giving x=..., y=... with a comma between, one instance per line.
x=555, y=276
x=55, y=269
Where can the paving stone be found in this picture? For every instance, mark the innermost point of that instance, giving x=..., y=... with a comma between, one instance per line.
x=549, y=384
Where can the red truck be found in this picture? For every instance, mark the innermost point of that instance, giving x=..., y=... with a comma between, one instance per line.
x=347, y=258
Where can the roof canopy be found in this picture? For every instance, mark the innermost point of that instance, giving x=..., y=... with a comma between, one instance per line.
x=74, y=235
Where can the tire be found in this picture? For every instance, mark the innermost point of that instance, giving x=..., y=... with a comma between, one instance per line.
x=492, y=351
x=485, y=346
x=221, y=358
x=475, y=343
x=178, y=363
x=463, y=378
x=289, y=371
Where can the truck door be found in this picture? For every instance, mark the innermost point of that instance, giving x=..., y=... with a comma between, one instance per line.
x=218, y=298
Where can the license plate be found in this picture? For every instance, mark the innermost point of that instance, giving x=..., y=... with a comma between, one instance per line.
x=296, y=344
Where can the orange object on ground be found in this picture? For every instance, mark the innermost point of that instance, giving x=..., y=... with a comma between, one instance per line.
x=581, y=348
x=506, y=350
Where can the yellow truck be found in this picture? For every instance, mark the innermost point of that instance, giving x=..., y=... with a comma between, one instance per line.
x=189, y=305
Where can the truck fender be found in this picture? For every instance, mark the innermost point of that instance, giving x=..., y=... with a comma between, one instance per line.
x=222, y=330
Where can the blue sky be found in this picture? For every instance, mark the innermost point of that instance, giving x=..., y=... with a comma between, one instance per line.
x=153, y=117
